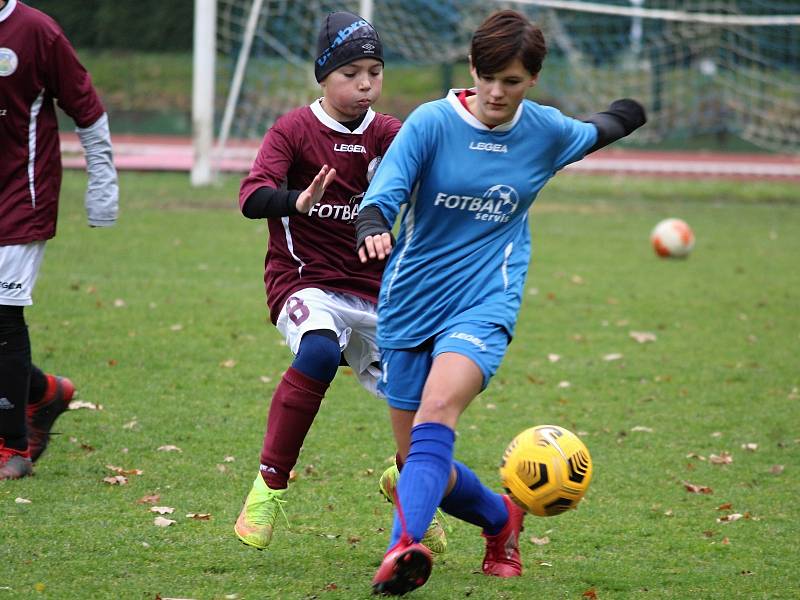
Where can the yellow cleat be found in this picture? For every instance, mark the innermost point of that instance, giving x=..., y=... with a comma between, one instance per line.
x=435, y=538
x=257, y=519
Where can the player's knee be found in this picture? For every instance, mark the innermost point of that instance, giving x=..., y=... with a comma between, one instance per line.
x=438, y=409
x=318, y=355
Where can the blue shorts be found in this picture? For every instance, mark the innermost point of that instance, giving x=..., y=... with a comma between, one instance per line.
x=405, y=370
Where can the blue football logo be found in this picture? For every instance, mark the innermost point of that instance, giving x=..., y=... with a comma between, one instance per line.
x=507, y=195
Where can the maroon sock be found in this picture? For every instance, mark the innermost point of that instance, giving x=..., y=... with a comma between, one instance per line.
x=295, y=403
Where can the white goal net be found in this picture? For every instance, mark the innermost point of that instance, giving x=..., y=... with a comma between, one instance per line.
x=728, y=70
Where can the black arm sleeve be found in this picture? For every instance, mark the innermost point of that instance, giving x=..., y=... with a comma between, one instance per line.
x=268, y=202
x=622, y=118
x=370, y=222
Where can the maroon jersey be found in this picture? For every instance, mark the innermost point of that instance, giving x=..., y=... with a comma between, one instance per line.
x=318, y=249
x=37, y=65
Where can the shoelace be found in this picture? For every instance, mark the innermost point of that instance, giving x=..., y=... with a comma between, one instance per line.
x=280, y=502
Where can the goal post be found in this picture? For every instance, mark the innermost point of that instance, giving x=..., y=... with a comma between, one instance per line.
x=728, y=69
x=203, y=81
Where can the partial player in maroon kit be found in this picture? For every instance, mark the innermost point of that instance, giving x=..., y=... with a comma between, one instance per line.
x=310, y=174
x=37, y=66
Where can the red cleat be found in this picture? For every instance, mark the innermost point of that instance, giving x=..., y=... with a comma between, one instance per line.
x=502, y=550
x=14, y=464
x=44, y=413
x=405, y=567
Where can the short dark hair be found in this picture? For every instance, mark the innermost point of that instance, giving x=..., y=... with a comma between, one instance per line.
x=504, y=36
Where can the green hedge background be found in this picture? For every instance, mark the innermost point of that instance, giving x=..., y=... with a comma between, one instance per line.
x=144, y=25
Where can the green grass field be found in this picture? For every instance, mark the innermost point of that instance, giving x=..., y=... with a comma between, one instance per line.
x=161, y=321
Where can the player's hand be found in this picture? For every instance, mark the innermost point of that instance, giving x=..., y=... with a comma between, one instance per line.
x=313, y=193
x=375, y=247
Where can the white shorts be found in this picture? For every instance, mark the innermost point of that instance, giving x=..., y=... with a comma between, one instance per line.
x=19, y=268
x=353, y=319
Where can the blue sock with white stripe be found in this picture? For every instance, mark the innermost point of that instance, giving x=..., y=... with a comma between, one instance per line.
x=423, y=479
x=473, y=502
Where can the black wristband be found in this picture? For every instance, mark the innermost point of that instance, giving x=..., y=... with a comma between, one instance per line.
x=267, y=202
x=370, y=222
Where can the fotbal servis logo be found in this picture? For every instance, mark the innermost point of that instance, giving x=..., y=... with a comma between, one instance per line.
x=497, y=204
x=8, y=62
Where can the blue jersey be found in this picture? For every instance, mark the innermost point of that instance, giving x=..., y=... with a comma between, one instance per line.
x=463, y=248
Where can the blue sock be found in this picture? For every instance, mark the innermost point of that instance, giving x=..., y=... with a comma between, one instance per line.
x=423, y=479
x=473, y=502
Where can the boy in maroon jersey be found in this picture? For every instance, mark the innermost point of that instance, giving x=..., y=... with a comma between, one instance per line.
x=38, y=65
x=310, y=174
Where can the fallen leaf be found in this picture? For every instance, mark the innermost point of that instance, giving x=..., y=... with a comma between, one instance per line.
x=695, y=455
x=169, y=448
x=121, y=471
x=697, y=489
x=78, y=404
x=553, y=358
x=292, y=475
x=22, y=501
x=265, y=379
x=149, y=499
x=564, y=384
x=590, y=593
x=228, y=364
x=726, y=506
x=163, y=522
x=669, y=513
x=545, y=564
x=491, y=406
x=724, y=458
x=776, y=469
x=716, y=434
x=725, y=541
x=228, y=459
x=750, y=447
x=119, y=303
x=730, y=518
x=199, y=516
x=176, y=327
x=116, y=480
x=162, y=510
x=577, y=279
x=642, y=337
x=112, y=362
x=130, y=424
x=612, y=356
x=542, y=541
x=331, y=587
x=642, y=428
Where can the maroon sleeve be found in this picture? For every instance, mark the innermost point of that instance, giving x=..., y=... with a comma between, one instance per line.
x=71, y=84
x=392, y=127
x=270, y=167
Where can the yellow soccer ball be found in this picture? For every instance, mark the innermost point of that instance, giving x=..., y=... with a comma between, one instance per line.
x=546, y=470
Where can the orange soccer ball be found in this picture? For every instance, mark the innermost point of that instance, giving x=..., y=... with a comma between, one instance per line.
x=672, y=238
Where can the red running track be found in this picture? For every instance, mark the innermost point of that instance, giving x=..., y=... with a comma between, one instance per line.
x=162, y=153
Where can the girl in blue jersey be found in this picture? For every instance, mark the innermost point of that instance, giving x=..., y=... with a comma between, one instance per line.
x=453, y=282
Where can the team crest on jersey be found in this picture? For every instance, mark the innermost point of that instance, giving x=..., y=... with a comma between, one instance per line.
x=8, y=62
x=496, y=205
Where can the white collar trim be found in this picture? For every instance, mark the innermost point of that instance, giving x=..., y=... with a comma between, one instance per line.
x=472, y=121
x=332, y=123
x=6, y=11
